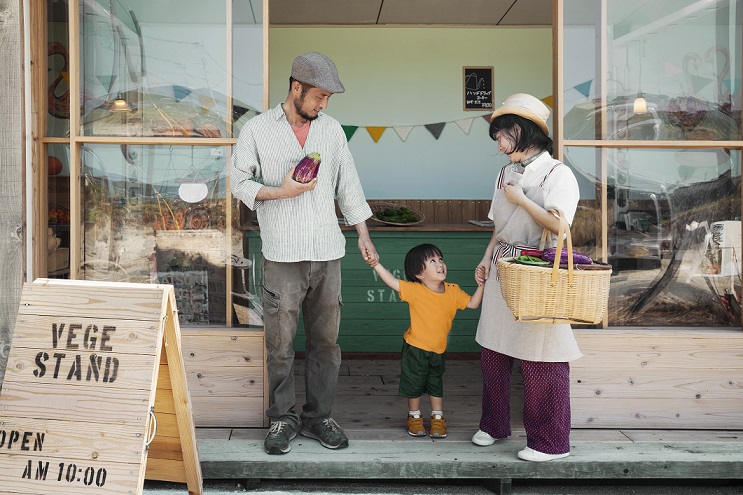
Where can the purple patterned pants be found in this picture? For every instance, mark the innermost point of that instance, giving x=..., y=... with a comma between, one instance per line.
x=546, y=401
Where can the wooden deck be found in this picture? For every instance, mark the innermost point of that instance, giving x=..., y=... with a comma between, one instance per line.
x=373, y=416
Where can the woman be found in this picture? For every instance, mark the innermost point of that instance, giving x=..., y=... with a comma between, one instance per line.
x=527, y=193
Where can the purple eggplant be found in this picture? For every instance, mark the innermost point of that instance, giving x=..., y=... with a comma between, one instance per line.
x=307, y=168
x=578, y=258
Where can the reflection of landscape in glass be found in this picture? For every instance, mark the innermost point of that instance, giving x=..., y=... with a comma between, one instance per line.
x=674, y=244
x=137, y=225
x=673, y=215
x=168, y=66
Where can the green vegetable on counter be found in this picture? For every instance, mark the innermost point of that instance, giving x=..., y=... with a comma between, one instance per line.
x=397, y=215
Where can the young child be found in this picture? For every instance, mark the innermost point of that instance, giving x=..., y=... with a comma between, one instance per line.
x=433, y=304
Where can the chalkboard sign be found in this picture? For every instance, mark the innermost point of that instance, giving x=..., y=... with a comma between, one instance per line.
x=478, y=88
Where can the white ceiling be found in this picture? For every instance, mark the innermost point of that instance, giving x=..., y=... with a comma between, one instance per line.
x=380, y=12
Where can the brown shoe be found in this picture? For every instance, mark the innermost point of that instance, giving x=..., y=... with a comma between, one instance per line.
x=415, y=426
x=438, y=426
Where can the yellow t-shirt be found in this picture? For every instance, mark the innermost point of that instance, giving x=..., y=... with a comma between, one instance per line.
x=431, y=314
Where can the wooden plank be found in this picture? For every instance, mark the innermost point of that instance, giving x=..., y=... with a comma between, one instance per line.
x=425, y=459
x=222, y=349
x=228, y=412
x=85, y=334
x=84, y=404
x=71, y=440
x=113, y=478
x=682, y=436
x=653, y=351
x=176, y=399
x=649, y=412
x=143, y=302
x=132, y=372
x=659, y=383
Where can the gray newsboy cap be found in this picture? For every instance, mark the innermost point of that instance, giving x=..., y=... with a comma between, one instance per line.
x=318, y=70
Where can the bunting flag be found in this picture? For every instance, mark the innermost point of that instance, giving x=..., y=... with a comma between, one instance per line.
x=436, y=129
x=376, y=132
x=180, y=92
x=547, y=100
x=698, y=83
x=465, y=124
x=349, y=130
x=584, y=89
x=207, y=103
x=403, y=131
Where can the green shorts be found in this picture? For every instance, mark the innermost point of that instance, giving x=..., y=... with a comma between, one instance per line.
x=421, y=372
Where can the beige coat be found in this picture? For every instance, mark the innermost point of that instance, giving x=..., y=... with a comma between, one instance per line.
x=498, y=330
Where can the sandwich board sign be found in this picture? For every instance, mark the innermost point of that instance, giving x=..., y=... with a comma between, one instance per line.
x=95, y=399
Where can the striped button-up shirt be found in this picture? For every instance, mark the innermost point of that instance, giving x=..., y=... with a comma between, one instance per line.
x=305, y=227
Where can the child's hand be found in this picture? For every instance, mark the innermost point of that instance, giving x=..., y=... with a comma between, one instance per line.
x=480, y=275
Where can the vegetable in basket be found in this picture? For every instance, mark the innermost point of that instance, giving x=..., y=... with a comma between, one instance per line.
x=307, y=168
x=578, y=258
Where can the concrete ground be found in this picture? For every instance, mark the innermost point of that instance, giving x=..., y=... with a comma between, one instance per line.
x=454, y=487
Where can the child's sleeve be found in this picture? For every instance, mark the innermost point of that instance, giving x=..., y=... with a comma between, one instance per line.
x=462, y=298
x=405, y=288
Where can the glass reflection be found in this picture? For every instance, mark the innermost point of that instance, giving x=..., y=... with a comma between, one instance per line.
x=674, y=234
x=681, y=57
x=147, y=220
x=58, y=89
x=162, y=63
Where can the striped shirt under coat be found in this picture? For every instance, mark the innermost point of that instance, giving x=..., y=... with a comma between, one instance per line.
x=305, y=227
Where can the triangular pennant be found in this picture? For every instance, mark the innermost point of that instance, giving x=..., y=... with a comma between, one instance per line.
x=670, y=70
x=376, y=132
x=207, y=103
x=436, y=129
x=66, y=77
x=487, y=117
x=403, y=131
x=547, y=100
x=180, y=92
x=698, y=83
x=583, y=88
x=349, y=130
x=465, y=124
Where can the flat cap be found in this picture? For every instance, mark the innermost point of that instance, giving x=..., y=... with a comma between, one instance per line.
x=318, y=70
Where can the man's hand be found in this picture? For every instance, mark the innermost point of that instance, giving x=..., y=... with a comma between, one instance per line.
x=289, y=188
x=292, y=188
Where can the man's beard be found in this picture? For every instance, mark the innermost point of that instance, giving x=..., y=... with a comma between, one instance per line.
x=298, y=108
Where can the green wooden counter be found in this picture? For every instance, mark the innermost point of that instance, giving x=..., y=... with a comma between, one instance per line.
x=373, y=317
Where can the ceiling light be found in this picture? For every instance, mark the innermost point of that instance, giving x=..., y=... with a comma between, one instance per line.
x=120, y=105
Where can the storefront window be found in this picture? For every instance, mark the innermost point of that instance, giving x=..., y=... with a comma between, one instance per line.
x=154, y=211
x=674, y=234
x=154, y=68
x=156, y=214
x=669, y=70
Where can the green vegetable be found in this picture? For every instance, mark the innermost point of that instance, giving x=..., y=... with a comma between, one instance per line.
x=530, y=259
x=397, y=215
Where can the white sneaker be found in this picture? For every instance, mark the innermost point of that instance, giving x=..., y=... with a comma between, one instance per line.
x=529, y=454
x=483, y=439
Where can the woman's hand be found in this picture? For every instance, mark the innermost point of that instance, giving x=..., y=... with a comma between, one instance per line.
x=482, y=271
x=514, y=193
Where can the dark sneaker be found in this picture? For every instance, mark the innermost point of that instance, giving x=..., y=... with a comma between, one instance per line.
x=327, y=432
x=278, y=438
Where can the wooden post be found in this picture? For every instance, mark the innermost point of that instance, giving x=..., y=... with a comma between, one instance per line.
x=95, y=393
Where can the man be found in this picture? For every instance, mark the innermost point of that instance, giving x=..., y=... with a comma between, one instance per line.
x=302, y=244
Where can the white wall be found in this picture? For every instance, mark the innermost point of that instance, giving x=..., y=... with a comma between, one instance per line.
x=413, y=76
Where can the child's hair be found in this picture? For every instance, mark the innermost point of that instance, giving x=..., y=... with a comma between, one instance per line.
x=415, y=260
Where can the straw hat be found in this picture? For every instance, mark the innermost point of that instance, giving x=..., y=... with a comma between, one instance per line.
x=525, y=106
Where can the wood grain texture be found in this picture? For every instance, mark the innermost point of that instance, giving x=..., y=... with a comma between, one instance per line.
x=12, y=173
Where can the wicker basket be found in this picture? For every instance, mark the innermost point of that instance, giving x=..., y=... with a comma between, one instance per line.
x=551, y=294
x=377, y=206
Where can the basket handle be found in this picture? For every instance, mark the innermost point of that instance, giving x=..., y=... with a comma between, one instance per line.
x=562, y=234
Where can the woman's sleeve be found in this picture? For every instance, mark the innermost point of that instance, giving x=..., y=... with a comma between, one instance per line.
x=562, y=192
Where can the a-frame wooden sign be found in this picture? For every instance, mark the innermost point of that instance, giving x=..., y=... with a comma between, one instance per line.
x=95, y=398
